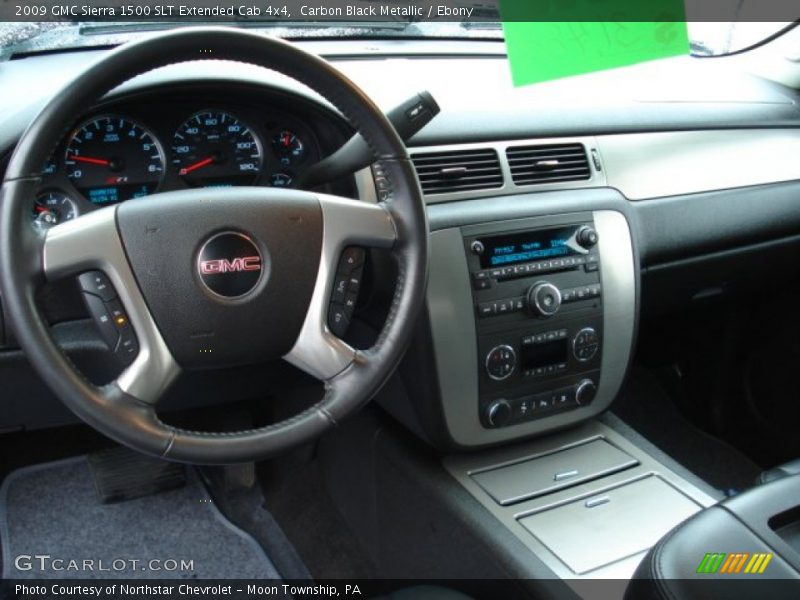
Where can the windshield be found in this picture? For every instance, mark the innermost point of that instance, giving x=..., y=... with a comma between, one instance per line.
x=706, y=38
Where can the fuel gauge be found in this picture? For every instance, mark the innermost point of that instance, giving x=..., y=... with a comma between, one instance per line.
x=52, y=208
x=288, y=147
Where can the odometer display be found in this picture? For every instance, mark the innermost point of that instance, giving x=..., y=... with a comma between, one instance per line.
x=110, y=159
x=216, y=149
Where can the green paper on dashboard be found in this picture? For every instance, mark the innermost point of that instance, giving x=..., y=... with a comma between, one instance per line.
x=551, y=39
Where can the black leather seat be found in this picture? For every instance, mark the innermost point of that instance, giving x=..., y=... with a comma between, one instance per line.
x=764, y=520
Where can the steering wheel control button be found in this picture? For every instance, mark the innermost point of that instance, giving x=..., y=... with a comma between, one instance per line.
x=585, y=344
x=111, y=318
x=338, y=321
x=102, y=317
x=352, y=258
x=128, y=345
x=230, y=265
x=500, y=362
x=346, y=286
x=97, y=284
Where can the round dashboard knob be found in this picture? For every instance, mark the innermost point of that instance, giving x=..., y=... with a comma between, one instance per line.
x=585, y=344
x=544, y=299
x=500, y=362
x=498, y=413
x=585, y=392
x=586, y=237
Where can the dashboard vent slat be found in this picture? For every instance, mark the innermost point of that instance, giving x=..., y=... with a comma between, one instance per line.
x=548, y=163
x=456, y=171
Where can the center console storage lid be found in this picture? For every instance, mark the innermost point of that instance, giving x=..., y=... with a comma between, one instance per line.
x=592, y=532
x=551, y=472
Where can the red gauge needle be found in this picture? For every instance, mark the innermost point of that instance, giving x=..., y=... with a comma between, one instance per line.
x=198, y=165
x=90, y=160
x=41, y=209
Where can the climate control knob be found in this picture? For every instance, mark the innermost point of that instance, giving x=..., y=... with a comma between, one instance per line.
x=585, y=344
x=500, y=362
x=585, y=392
x=498, y=413
x=544, y=299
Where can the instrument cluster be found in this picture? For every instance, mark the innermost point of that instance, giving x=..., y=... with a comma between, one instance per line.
x=132, y=152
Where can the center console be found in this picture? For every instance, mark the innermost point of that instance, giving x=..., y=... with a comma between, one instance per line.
x=532, y=322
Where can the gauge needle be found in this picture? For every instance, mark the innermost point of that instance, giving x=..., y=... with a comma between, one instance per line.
x=198, y=165
x=90, y=160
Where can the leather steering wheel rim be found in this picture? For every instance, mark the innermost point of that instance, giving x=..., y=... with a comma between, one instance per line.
x=26, y=256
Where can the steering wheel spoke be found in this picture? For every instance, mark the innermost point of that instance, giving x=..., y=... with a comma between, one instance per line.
x=318, y=351
x=92, y=242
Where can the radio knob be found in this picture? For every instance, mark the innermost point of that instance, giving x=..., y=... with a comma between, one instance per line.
x=585, y=392
x=586, y=237
x=500, y=362
x=544, y=299
x=498, y=413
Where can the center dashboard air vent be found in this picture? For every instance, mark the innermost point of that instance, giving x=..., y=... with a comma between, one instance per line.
x=548, y=163
x=458, y=171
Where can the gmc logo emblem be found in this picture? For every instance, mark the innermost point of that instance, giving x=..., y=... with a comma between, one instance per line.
x=237, y=265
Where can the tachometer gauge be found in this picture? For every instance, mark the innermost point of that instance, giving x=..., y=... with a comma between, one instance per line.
x=216, y=149
x=52, y=208
x=110, y=159
x=288, y=147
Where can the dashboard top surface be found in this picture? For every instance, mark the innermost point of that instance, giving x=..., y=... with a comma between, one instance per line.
x=475, y=91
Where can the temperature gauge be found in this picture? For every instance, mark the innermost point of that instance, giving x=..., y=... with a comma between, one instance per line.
x=288, y=147
x=52, y=208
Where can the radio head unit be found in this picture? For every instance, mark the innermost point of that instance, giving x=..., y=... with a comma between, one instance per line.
x=537, y=296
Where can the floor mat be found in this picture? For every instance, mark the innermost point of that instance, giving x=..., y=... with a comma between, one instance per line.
x=52, y=510
x=647, y=408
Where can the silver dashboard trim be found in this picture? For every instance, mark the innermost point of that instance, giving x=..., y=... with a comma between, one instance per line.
x=597, y=178
x=452, y=317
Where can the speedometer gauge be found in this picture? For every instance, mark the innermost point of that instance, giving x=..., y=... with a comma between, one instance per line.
x=110, y=159
x=216, y=149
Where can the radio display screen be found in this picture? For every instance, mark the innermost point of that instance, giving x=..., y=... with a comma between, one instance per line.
x=528, y=246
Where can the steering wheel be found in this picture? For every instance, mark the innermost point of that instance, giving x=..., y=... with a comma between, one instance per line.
x=214, y=277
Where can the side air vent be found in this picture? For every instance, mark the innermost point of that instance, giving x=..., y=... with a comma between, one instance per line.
x=458, y=171
x=548, y=163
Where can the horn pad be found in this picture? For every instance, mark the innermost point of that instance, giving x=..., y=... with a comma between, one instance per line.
x=228, y=274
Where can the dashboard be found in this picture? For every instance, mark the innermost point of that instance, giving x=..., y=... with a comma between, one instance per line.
x=185, y=137
x=671, y=150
